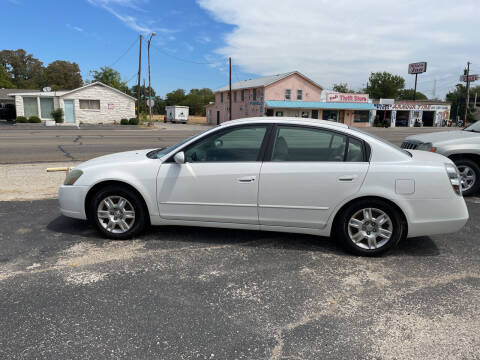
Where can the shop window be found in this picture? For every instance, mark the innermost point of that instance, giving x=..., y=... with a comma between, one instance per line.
x=90, y=104
x=330, y=115
x=46, y=108
x=279, y=113
x=299, y=94
x=361, y=116
x=288, y=94
x=254, y=94
x=304, y=114
x=30, y=107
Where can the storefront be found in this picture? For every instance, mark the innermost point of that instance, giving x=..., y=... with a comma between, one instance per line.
x=412, y=113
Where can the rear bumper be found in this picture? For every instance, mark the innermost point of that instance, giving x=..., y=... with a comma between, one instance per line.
x=433, y=217
x=72, y=201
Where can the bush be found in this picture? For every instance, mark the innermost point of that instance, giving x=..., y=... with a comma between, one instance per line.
x=124, y=122
x=133, y=121
x=57, y=115
x=21, y=119
x=34, y=119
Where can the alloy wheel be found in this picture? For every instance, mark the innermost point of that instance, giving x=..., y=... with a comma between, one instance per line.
x=467, y=177
x=116, y=214
x=370, y=228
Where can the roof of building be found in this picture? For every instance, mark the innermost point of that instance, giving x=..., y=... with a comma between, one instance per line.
x=318, y=105
x=4, y=93
x=97, y=83
x=263, y=81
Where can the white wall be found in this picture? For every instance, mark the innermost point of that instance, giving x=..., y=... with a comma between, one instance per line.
x=123, y=106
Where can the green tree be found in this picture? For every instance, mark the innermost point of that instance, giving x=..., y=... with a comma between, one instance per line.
x=458, y=99
x=175, y=97
x=63, y=75
x=5, y=79
x=25, y=71
x=143, y=96
x=342, y=88
x=407, y=94
x=384, y=85
x=197, y=99
x=110, y=77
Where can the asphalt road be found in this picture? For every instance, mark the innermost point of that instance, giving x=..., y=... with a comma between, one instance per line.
x=19, y=146
x=194, y=293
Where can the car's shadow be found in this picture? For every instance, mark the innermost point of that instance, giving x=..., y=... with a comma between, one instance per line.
x=155, y=237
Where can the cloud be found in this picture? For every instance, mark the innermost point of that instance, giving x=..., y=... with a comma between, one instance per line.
x=76, y=28
x=144, y=26
x=345, y=40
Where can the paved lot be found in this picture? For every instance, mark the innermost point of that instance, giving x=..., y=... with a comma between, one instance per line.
x=71, y=144
x=192, y=293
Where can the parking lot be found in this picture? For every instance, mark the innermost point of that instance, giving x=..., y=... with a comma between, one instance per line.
x=198, y=293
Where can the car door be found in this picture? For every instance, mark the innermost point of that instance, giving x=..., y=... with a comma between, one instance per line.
x=218, y=181
x=310, y=171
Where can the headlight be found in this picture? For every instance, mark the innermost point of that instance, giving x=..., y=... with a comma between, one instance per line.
x=72, y=176
x=426, y=147
x=454, y=177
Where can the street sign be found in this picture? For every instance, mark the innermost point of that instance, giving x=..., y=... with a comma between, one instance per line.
x=473, y=77
x=387, y=101
x=417, y=68
x=150, y=102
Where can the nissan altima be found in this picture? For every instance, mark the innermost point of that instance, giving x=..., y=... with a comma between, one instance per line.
x=276, y=174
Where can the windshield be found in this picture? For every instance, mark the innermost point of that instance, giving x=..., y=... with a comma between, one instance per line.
x=158, y=153
x=386, y=142
x=475, y=127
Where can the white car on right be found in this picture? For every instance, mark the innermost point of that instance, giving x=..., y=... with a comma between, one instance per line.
x=460, y=146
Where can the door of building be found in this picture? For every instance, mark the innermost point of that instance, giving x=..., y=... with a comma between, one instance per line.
x=218, y=117
x=341, y=116
x=314, y=114
x=69, y=111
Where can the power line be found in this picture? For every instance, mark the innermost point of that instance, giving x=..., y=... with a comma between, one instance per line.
x=182, y=59
x=125, y=53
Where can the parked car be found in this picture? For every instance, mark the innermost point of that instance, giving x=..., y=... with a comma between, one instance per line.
x=461, y=146
x=277, y=174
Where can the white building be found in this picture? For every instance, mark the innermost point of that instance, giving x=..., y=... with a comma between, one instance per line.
x=95, y=103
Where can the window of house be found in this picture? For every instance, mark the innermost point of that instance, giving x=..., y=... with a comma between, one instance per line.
x=235, y=96
x=242, y=95
x=254, y=94
x=221, y=97
x=330, y=115
x=299, y=94
x=361, y=116
x=355, y=150
x=288, y=94
x=46, y=108
x=305, y=114
x=307, y=144
x=239, y=144
x=279, y=113
x=30, y=107
x=90, y=104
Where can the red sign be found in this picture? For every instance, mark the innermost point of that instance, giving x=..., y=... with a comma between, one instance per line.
x=417, y=68
x=470, y=78
x=111, y=106
x=352, y=98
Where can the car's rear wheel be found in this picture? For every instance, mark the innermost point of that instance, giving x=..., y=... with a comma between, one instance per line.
x=469, y=176
x=118, y=213
x=370, y=227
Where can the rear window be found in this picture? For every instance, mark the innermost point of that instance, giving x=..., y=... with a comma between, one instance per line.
x=382, y=140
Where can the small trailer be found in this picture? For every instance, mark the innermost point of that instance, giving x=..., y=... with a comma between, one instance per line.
x=177, y=114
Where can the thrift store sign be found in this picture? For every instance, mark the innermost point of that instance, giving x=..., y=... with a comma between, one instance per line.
x=351, y=98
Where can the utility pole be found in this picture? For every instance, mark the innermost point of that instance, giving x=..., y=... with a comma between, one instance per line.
x=150, y=103
x=468, y=93
x=139, y=74
x=230, y=85
x=415, y=89
x=144, y=96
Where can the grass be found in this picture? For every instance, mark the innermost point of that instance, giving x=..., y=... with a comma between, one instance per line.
x=191, y=119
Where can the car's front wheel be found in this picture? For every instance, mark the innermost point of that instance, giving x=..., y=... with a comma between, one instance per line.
x=469, y=176
x=370, y=227
x=118, y=213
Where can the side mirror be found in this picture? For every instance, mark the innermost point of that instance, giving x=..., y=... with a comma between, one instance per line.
x=179, y=157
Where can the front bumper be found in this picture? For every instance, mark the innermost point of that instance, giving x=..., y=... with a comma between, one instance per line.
x=72, y=201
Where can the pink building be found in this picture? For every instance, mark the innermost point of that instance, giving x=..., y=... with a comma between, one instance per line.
x=290, y=94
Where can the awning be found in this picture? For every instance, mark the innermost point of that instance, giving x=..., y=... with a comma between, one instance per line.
x=318, y=105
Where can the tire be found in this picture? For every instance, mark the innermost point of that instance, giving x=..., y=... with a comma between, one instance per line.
x=468, y=168
x=358, y=237
x=117, y=223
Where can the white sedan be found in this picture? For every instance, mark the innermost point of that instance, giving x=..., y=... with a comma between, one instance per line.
x=276, y=174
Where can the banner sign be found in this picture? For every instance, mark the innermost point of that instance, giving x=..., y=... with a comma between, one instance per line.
x=350, y=98
x=470, y=78
x=417, y=68
x=412, y=107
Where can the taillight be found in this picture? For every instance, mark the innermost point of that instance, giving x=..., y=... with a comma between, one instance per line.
x=454, y=177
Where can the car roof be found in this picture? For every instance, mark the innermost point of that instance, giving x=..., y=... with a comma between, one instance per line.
x=285, y=120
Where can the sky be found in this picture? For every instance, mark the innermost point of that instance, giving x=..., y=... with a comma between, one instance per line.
x=329, y=41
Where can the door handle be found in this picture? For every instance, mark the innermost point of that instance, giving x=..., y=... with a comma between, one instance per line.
x=246, y=179
x=346, y=178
